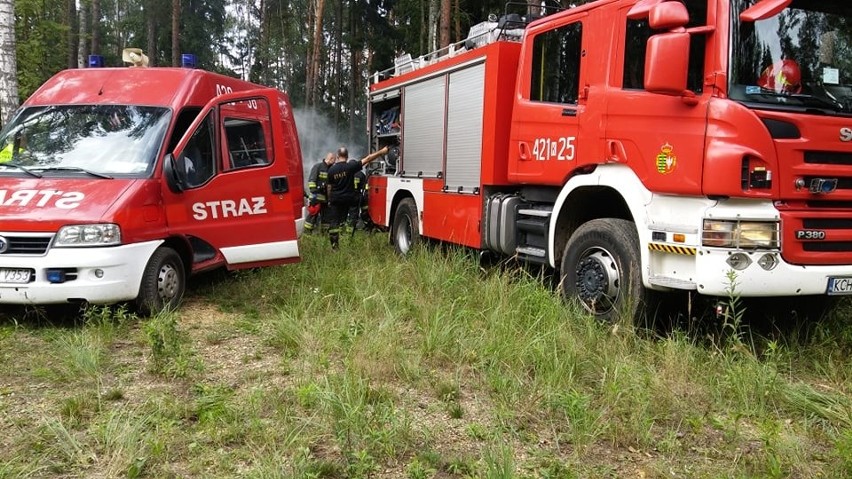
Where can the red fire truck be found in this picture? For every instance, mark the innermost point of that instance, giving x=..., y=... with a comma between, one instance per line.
x=118, y=183
x=634, y=146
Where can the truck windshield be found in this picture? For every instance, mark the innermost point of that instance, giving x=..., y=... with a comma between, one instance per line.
x=97, y=140
x=798, y=60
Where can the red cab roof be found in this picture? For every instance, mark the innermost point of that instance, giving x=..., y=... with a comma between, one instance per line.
x=168, y=87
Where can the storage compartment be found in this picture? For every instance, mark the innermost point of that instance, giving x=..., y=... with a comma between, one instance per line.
x=386, y=129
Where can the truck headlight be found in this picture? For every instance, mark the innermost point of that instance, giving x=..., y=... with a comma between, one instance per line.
x=740, y=234
x=88, y=235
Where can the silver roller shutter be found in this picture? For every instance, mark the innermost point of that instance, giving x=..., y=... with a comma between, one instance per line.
x=464, y=128
x=423, y=124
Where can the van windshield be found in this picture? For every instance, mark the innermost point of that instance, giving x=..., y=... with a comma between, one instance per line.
x=798, y=60
x=108, y=140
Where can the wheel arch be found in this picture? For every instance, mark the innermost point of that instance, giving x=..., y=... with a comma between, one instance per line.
x=396, y=200
x=183, y=249
x=611, y=191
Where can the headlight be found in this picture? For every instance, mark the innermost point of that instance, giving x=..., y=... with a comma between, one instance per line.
x=88, y=235
x=740, y=234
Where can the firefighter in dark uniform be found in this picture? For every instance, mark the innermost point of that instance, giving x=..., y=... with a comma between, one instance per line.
x=341, y=187
x=317, y=201
x=359, y=216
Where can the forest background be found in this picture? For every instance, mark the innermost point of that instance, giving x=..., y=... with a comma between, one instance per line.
x=321, y=52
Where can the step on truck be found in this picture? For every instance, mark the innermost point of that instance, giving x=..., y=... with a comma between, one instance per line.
x=116, y=184
x=637, y=147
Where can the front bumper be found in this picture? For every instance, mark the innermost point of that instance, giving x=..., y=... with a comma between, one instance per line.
x=712, y=276
x=121, y=270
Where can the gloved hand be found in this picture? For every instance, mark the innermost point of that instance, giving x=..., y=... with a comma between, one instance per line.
x=313, y=200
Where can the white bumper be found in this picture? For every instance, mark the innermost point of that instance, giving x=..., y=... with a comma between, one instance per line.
x=784, y=280
x=300, y=222
x=122, y=268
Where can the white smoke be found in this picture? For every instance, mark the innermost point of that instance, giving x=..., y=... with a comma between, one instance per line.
x=318, y=136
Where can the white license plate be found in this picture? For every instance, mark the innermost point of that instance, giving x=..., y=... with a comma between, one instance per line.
x=839, y=285
x=15, y=275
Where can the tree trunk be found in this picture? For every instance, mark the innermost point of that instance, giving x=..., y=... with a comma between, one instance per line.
x=446, y=21
x=8, y=62
x=73, y=36
x=354, y=64
x=424, y=29
x=175, y=33
x=94, y=27
x=83, y=52
x=151, y=31
x=312, y=80
x=263, y=53
x=457, y=16
x=432, y=26
x=337, y=74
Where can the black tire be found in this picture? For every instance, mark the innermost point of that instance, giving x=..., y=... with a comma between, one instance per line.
x=405, y=232
x=163, y=283
x=601, y=270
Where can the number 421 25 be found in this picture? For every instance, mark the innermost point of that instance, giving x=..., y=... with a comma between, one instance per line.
x=561, y=149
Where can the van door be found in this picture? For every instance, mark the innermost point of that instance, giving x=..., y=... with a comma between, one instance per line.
x=232, y=200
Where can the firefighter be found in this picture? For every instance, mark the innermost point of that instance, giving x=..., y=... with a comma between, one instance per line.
x=317, y=200
x=783, y=76
x=359, y=215
x=14, y=148
x=341, y=186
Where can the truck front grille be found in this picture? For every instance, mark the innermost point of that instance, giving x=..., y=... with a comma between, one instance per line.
x=817, y=237
x=828, y=158
x=34, y=244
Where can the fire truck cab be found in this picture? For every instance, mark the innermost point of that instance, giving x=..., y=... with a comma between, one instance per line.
x=116, y=184
x=636, y=146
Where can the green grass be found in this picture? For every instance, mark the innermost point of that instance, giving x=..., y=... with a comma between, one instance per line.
x=359, y=364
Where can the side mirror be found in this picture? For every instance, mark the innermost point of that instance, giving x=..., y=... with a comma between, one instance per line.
x=667, y=63
x=667, y=55
x=174, y=175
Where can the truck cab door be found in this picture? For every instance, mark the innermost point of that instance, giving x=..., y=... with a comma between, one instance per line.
x=546, y=123
x=227, y=183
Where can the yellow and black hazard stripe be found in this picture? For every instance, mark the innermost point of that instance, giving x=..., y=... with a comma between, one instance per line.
x=667, y=248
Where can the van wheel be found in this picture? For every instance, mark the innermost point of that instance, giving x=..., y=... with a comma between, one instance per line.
x=601, y=270
x=163, y=283
x=405, y=233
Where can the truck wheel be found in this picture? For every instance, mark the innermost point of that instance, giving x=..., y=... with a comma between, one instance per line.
x=405, y=233
x=601, y=270
x=163, y=283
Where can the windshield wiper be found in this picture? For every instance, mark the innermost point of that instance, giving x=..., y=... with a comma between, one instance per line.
x=76, y=168
x=19, y=167
x=806, y=100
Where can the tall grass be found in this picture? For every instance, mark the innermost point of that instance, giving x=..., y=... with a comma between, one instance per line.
x=358, y=363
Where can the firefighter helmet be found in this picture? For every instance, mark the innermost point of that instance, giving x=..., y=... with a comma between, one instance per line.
x=783, y=76
x=314, y=209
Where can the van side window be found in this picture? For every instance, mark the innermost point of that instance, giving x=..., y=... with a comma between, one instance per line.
x=636, y=42
x=247, y=127
x=246, y=143
x=184, y=120
x=199, y=159
x=556, y=64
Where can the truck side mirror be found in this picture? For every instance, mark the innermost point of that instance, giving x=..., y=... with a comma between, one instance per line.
x=174, y=175
x=667, y=55
x=667, y=63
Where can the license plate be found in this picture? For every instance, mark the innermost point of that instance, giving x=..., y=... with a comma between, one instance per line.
x=839, y=285
x=15, y=275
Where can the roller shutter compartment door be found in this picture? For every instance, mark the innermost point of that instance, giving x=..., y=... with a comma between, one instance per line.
x=464, y=129
x=423, y=126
